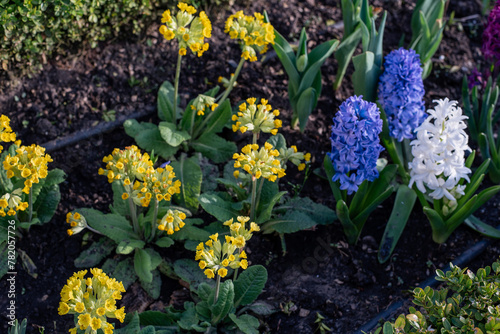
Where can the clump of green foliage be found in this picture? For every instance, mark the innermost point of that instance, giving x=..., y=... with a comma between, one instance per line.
x=33, y=30
x=470, y=303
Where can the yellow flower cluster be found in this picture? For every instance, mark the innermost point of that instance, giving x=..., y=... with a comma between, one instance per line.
x=6, y=134
x=189, y=36
x=128, y=163
x=77, y=223
x=291, y=154
x=202, y=102
x=254, y=34
x=29, y=163
x=94, y=299
x=172, y=221
x=140, y=179
x=11, y=203
x=256, y=118
x=217, y=257
x=259, y=163
x=239, y=234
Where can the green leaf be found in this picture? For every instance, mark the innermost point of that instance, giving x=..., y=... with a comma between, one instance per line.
x=151, y=139
x=47, y=202
x=156, y=318
x=188, y=317
x=123, y=271
x=259, y=307
x=485, y=229
x=54, y=177
x=287, y=59
x=4, y=265
x=344, y=53
x=191, y=232
x=113, y=226
x=188, y=171
x=93, y=255
x=305, y=105
x=249, y=285
x=142, y=265
x=266, y=212
x=217, y=207
x=214, y=147
x=153, y=288
x=127, y=246
x=164, y=242
x=120, y=206
x=132, y=127
x=403, y=205
x=321, y=214
x=133, y=326
x=290, y=222
x=316, y=59
x=330, y=172
x=350, y=229
x=221, y=116
x=171, y=135
x=166, y=111
x=189, y=271
x=278, y=142
x=365, y=76
x=155, y=258
x=246, y=323
x=224, y=303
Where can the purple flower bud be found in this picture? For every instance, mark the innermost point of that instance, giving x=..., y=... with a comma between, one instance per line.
x=491, y=36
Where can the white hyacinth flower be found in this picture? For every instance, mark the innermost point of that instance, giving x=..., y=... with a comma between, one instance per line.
x=438, y=152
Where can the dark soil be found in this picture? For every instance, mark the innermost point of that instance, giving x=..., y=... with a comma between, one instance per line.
x=321, y=272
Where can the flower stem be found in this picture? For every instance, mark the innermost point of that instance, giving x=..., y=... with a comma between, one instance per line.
x=154, y=219
x=232, y=81
x=254, y=196
x=217, y=286
x=133, y=214
x=30, y=203
x=176, y=84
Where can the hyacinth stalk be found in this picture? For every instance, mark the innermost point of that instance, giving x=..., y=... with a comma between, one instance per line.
x=351, y=166
x=439, y=170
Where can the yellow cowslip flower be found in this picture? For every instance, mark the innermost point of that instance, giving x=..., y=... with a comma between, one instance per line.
x=157, y=183
x=127, y=165
x=259, y=163
x=253, y=33
x=29, y=163
x=172, y=221
x=217, y=257
x=291, y=154
x=93, y=299
x=77, y=223
x=6, y=134
x=190, y=31
x=202, y=102
x=239, y=232
x=11, y=203
x=256, y=117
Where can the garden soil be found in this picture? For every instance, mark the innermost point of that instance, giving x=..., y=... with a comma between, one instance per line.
x=320, y=273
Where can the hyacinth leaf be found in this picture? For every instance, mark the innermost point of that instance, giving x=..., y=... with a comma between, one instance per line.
x=246, y=323
x=171, y=135
x=165, y=104
x=330, y=171
x=93, y=255
x=355, y=206
x=216, y=206
x=377, y=40
x=344, y=54
x=439, y=229
x=350, y=229
x=305, y=106
x=365, y=76
x=381, y=184
x=350, y=15
x=249, y=285
x=403, y=205
x=484, y=229
x=142, y=265
x=316, y=59
x=214, y=147
x=301, y=58
x=188, y=171
x=470, y=113
x=224, y=303
x=475, y=182
x=361, y=218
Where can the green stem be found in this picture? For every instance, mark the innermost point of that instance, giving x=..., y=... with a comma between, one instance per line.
x=176, y=84
x=30, y=203
x=254, y=196
x=255, y=137
x=133, y=214
x=154, y=219
x=217, y=286
x=223, y=98
x=232, y=81
x=259, y=191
